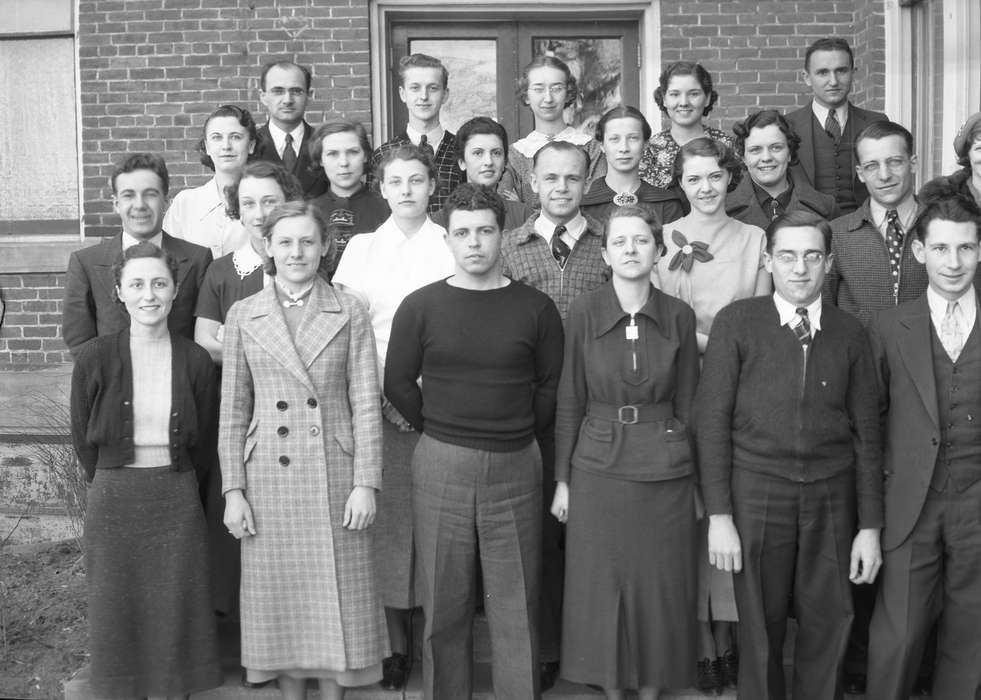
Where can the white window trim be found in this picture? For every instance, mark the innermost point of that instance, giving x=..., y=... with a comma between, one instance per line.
x=647, y=12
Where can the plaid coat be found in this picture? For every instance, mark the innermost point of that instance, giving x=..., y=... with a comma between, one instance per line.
x=300, y=427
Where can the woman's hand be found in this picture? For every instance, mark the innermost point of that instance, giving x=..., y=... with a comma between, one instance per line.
x=238, y=515
x=359, y=511
x=560, y=504
x=725, y=549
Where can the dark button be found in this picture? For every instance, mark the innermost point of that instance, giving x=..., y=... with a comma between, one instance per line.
x=955, y=370
x=284, y=460
x=933, y=441
x=282, y=431
x=282, y=405
x=949, y=426
x=312, y=403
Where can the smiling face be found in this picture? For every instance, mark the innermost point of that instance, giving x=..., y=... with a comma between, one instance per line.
x=483, y=159
x=295, y=244
x=685, y=100
x=228, y=143
x=974, y=158
x=631, y=250
x=950, y=253
x=407, y=188
x=139, y=200
x=559, y=178
x=285, y=96
x=704, y=183
x=474, y=239
x=890, y=175
x=423, y=93
x=257, y=196
x=547, y=93
x=147, y=290
x=795, y=278
x=829, y=75
x=343, y=161
x=767, y=155
x=623, y=144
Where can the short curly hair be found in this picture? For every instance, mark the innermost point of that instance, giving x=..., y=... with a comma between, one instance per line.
x=571, y=86
x=761, y=120
x=680, y=68
x=244, y=118
x=709, y=148
x=263, y=170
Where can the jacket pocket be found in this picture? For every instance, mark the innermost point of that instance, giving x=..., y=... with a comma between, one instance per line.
x=346, y=443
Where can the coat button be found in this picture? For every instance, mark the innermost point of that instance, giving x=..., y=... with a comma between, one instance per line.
x=282, y=405
x=282, y=431
x=284, y=460
x=312, y=402
x=933, y=441
x=314, y=430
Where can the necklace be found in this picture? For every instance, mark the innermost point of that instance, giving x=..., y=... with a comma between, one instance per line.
x=295, y=299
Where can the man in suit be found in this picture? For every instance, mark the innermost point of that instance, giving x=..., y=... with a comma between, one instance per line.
x=91, y=307
x=828, y=124
x=284, y=89
x=788, y=442
x=928, y=362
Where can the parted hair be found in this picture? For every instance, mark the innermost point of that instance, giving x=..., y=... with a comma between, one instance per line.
x=143, y=249
x=795, y=219
x=678, y=68
x=307, y=75
x=709, y=148
x=142, y=161
x=761, y=120
x=263, y=170
x=883, y=129
x=338, y=126
x=829, y=43
x=472, y=197
x=245, y=120
x=571, y=87
x=635, y=212
x=421, y=60
x=939, y=200
x=480, y=126
x=406, y=151
x=289, y=210
x=622, y=112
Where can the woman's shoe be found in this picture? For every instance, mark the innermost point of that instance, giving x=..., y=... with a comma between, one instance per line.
x=708, y=676
x=730, y=668
x=395, y=672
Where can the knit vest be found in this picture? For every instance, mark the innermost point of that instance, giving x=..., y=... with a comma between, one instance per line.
x=959, y=409
x=833, y=172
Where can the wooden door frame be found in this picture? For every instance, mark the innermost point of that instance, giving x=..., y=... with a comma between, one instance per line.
x=381, y=13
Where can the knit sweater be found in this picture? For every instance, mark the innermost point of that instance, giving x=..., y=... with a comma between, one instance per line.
x=489, y=361
x=757, y=408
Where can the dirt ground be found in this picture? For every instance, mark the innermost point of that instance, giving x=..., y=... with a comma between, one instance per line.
x=43, y=631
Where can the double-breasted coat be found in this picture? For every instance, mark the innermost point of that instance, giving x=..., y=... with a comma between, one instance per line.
x=300, y=427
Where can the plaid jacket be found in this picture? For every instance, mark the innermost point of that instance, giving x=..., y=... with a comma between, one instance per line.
x=448, y=173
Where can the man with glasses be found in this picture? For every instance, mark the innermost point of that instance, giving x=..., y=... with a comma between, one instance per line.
x=787, y=425
x=284, y=89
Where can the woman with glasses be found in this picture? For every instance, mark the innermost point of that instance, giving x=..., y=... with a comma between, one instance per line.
x=711, y=260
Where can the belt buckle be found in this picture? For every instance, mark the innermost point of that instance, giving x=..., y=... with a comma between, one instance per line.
x=628, y=410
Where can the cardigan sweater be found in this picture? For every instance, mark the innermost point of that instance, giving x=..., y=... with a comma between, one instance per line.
x=759, y=409
x=102, y=405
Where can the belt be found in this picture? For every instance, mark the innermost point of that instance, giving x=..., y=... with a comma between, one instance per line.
x=630, y=413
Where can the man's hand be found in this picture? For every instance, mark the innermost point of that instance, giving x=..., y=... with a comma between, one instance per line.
x=866, y=556
x=725, y=550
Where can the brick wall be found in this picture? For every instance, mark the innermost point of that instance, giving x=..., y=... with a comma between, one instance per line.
x=31, y=332
x=755, y=50
x=152, y=70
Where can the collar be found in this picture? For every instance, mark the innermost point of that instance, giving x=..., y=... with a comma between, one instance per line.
x=821, y=112
x=129, y=241
x=279, y=137
x=434, y=137
x=609, y=313
x=246, y=261
x=906, y=210
x=532, y=143
x=968, y=302
x=429, y=231
x=763, y=197
x=788, y=312
x=574, y=229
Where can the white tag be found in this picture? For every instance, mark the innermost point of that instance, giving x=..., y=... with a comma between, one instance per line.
x=632, y=333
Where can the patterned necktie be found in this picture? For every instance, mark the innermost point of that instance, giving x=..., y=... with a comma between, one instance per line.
x=951, y=334
x=425, y=146
x=560, y=249
x=832, y=125
x=803, y=328
x=894, y=244
x=289, y=155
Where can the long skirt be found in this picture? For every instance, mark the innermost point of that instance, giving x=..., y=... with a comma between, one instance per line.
x=629, y=607
x=151, y=627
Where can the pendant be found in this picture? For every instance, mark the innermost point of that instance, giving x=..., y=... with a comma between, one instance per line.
x=625, y=199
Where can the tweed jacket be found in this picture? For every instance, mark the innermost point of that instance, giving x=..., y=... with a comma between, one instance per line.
x=300, y=426
x=445, y=160
x=312, y=178
x=91, y=306
x=743, y=204
x=802, y=121
x=528, y=258
x=860, y=281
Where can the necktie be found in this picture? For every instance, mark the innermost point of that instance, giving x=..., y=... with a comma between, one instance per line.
x=832, y=125
x=894, y=244
x=951, y=335
x=560, y=249
x=803, y=328
x=289, y=155
x=425, y=146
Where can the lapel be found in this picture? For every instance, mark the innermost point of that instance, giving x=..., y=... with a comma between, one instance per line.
x=323, y=320
x=108, y=251
x=915, y=348
x=178, y=251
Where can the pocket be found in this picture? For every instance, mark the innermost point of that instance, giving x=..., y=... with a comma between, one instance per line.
x=346, y=442
x=594, y=444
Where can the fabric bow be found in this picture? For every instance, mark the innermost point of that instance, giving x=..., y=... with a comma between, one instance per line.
x=688, y=253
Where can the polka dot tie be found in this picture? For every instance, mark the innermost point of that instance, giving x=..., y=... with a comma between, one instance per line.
x=894, y=245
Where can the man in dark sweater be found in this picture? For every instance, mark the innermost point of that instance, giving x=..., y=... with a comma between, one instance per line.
x=928, y=361
x=489, y=352
x=787, y=427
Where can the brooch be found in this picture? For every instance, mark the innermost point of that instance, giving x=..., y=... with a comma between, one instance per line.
x=688, y=253
x=624, y=199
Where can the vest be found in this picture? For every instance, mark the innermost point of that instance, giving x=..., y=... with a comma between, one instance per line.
x=833, y=171
x=959, y=409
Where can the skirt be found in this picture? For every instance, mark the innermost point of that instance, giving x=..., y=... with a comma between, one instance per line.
x=394, y=553
x=629, y=607
x=151, y=626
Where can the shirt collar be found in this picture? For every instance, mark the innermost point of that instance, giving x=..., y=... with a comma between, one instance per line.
x=906, y=210
x=788, y=312
x=433, y=138
x=279, y=137
x=821, y=112
x=130, y=241
x=610, y=313
x=938, y=307
x=783, y=199
x=574, y=229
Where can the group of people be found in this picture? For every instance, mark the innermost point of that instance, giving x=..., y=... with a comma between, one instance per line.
x=619, y=389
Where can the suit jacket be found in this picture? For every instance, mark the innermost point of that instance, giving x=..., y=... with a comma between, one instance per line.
x=903, y=353
x=314, y=182
x=743, y=204
x=91, y=307
x=802, y=119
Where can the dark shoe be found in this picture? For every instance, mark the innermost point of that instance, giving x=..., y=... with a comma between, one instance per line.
x=922, y=687
x=246, y=683
x=395, y=672
x=855, y=684
x=730, y=668
x=547, y=674
x=708, y=676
